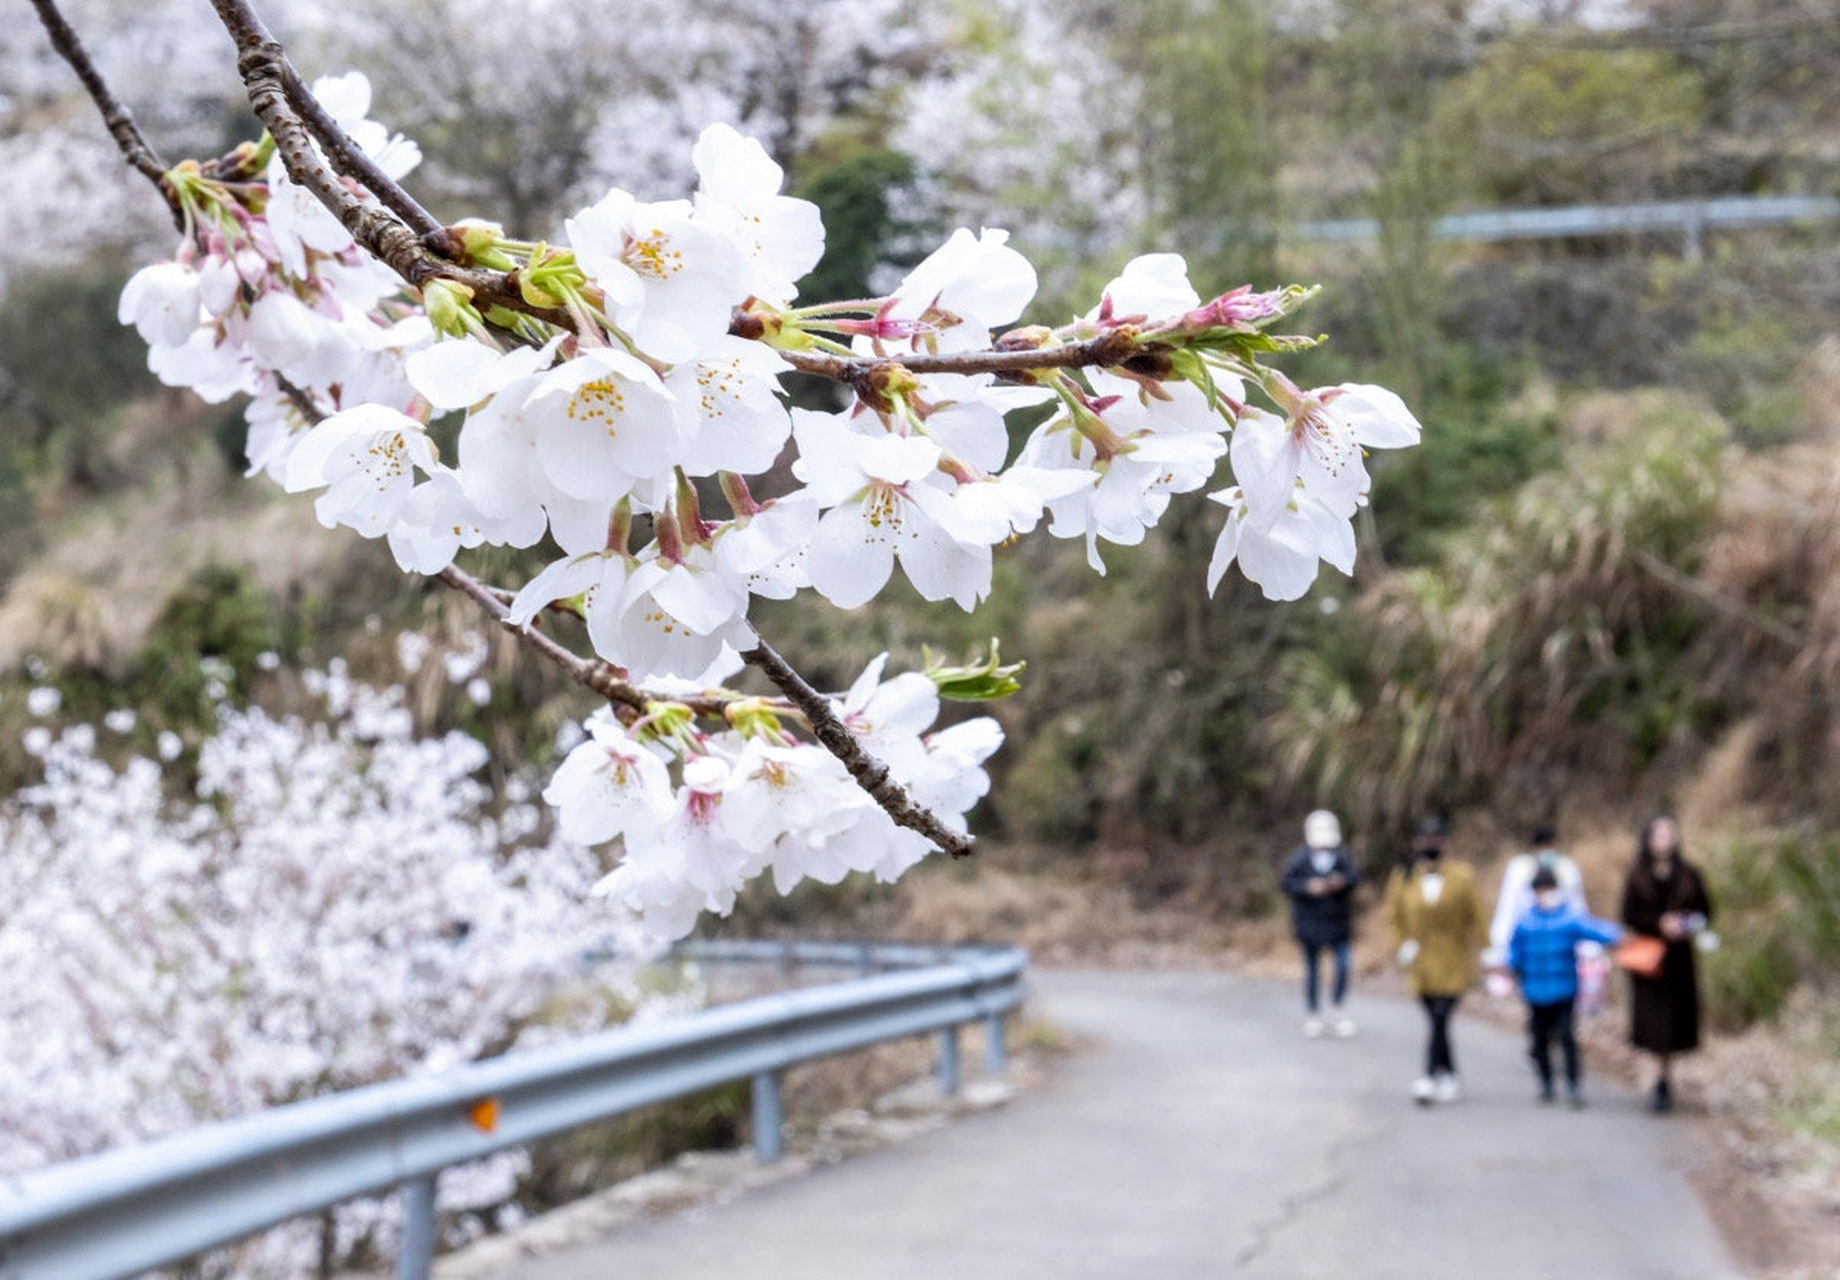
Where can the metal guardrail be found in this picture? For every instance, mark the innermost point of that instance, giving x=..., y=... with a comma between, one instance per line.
x=136, y=1208
x=1690, y=217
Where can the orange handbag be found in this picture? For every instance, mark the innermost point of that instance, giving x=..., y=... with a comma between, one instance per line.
x=1641, y=955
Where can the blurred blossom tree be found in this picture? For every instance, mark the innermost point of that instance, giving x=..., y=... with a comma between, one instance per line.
x=341, y=903
x=528, y=127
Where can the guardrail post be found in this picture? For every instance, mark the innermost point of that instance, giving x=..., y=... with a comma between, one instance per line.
x=416, y=1257
x=768, y=1119
x=996, y=1050
x=948, y=1062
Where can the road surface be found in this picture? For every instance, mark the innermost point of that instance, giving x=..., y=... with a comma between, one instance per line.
x=1200, y=1135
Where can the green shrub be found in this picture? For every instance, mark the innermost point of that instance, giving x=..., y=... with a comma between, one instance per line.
x=66, y=364
x=210, y=631
x=1778, y=901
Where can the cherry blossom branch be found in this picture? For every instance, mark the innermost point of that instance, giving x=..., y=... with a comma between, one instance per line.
x=133, y=145
x=870, y=773
x=400, y=234
x=1114, y=347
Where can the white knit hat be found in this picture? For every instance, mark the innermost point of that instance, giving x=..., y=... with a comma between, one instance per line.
x=1321, y=830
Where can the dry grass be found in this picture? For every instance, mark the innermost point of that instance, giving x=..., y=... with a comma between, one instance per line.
x=91, y=598
x=1060, y=919
x=1773, y=1099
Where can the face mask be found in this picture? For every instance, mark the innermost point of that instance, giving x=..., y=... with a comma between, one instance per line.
x=1547, y=899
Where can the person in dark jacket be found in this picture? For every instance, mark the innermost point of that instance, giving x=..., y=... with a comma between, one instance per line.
x=1319, y=878
x=1543, y=953
x=1665, y=897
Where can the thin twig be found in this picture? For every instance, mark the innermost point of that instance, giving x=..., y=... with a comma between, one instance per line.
x=1115, y=347
x=129, y=139
x=870, y=774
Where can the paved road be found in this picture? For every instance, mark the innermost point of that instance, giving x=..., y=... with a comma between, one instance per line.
x=1202, y=1136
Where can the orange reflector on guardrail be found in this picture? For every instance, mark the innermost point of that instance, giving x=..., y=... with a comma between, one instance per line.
x=484, y=1114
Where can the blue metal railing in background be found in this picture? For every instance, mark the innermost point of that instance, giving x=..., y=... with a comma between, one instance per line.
x=129, y=1210
x=1692, y=218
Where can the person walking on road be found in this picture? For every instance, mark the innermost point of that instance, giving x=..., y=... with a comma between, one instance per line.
x=1319, y=878
x=1439, y=929
x=1516, y=895
x=1543, y=953
x=1665, y=897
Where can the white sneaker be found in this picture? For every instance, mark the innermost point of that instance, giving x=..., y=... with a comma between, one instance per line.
x=1313, y=1027
x=1447, y=1088
x=1343, y=1027
x=1422, y=1091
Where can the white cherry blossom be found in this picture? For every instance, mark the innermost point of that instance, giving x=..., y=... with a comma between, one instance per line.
x=1151, y=286
x=162, y=302
x=739, y=197
x=610, y=786
x=437, y=519
x=889, y=717
x=784, y=803
x=964, y=289
x=674, y=618
x=670, y=282
x=602, y=423
x=888, y=503
x=729, y=409
x=366, y=459
x=1280, y=550
x=1321, y=445
x=460, y=373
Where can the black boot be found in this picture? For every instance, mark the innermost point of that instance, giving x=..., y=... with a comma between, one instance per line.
x=1663, y=1099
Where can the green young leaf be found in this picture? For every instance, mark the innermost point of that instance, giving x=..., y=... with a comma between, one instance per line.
x=976, y=681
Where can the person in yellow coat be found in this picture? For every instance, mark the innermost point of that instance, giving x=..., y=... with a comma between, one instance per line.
x=1439, y=929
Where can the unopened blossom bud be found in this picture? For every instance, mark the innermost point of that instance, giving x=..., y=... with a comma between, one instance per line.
x=666, y=722
x=1239, y=308
x=450, y=308
x=532, y=292
x=550, y=278
x=755, y=718
x=762, y=322
x=888, y=383
x=1028, y=337
x=478, y=243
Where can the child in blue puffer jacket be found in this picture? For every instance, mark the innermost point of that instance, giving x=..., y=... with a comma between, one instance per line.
x=1543, y=954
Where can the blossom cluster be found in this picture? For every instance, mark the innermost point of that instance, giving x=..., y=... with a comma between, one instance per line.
x=753, y=799
x=630, y=411
x=337, y=903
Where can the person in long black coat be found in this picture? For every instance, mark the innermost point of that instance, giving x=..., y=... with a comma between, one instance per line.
x=1319, y=878
x=1665, y=897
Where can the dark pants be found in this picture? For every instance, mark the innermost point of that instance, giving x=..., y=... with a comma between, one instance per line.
x=1312, y=951
x=1438, y=1057
x=1547, y=1023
